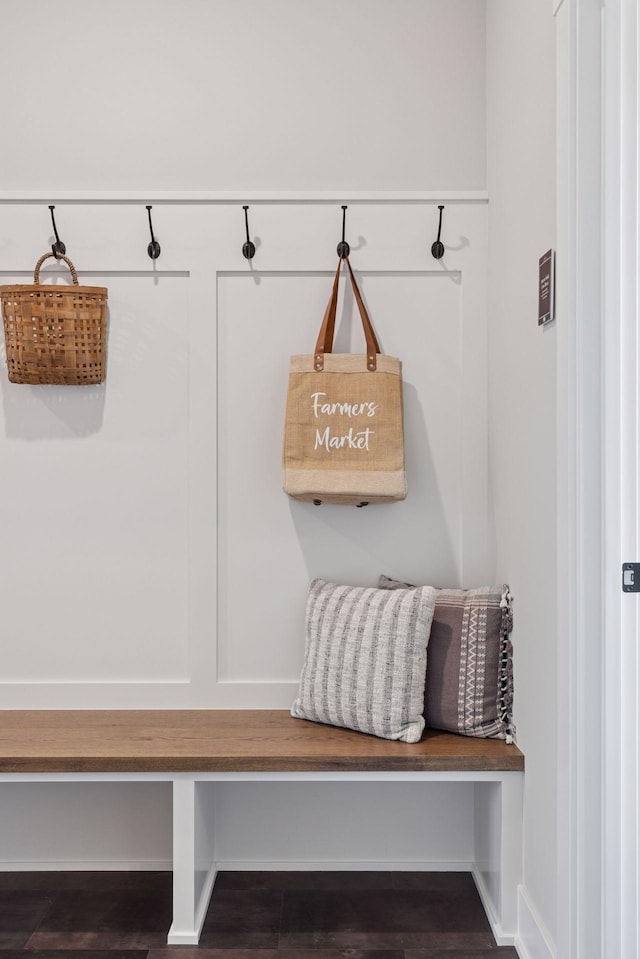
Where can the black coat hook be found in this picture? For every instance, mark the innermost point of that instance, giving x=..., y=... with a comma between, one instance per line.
x=343, y=247
x=248, y=248
x=58, y=248
x=437, y=248
x=154, y=247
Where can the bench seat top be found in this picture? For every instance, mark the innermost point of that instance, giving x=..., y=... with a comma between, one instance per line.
x=224, y=740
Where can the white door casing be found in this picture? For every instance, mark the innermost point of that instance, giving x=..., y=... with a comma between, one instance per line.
x=598, y=435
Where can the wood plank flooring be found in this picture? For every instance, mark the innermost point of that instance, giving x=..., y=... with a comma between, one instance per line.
x=252, y=915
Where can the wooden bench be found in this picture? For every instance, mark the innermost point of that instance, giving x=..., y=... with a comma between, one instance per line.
x=191, y=748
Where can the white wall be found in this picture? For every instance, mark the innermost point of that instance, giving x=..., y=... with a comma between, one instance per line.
x=216, y=94
x=369, y=95
x=150, y=489
x=164, y=509
x=159, y=95
x=69, y=825
x=522, y=372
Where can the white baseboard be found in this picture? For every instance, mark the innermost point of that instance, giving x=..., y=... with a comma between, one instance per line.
x=80, y=865
x=533, y=940
x=291, y=865
x=502, y=938
x=237, y=865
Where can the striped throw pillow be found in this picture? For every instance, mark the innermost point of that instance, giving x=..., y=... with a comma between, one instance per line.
x=366, y=658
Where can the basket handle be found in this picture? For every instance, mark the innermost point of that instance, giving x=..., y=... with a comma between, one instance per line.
x=36, y=272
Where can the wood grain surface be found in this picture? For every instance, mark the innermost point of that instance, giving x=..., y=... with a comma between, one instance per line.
x=224, y=741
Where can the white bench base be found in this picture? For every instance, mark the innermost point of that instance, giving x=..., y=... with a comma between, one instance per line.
x=496, y=868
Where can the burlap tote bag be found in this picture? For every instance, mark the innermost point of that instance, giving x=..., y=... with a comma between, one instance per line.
x=343, y=438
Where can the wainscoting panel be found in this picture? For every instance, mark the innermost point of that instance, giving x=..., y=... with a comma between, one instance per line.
x=151, y=558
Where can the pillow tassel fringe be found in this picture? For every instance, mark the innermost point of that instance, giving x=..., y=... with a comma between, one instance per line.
x=506, y=666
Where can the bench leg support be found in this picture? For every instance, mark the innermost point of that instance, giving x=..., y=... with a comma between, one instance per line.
x=193, y=867
x=498, y=856
x=511, y=852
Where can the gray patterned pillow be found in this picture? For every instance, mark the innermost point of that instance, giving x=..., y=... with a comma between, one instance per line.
x=469, y=683
x=366, y=658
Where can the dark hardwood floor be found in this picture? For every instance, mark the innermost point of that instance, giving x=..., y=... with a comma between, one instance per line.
x=252, y=915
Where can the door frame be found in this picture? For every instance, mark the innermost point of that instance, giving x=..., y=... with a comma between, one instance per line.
x=597, y=103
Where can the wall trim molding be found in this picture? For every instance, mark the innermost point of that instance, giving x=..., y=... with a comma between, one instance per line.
x=351, y=865
x=581, y=623
x=90, y=865
x=239, y=865
x=533, y=940
x=246, y=196
x=502, y=938
x=621, y=473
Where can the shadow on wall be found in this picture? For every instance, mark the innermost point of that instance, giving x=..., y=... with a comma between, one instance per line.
x=146, y=370
x=408, y=540
x=51, y=412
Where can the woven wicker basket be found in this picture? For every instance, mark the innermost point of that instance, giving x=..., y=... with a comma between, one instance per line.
x=55, y=334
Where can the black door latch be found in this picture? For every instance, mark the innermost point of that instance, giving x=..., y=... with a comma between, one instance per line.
x=631, y=577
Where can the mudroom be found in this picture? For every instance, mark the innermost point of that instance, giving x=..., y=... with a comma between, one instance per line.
x=229, y=192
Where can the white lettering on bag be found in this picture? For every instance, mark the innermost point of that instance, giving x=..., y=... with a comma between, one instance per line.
x=353, y=441
x=342, y=409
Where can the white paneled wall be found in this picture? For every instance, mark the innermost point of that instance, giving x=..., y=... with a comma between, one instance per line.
x=96, y=483
x=154, y=560
x=147, y=515
x=124, y=492
x=272, y=546
x=149, y=557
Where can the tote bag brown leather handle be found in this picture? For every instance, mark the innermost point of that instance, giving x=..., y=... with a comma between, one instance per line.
x=325, y=337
